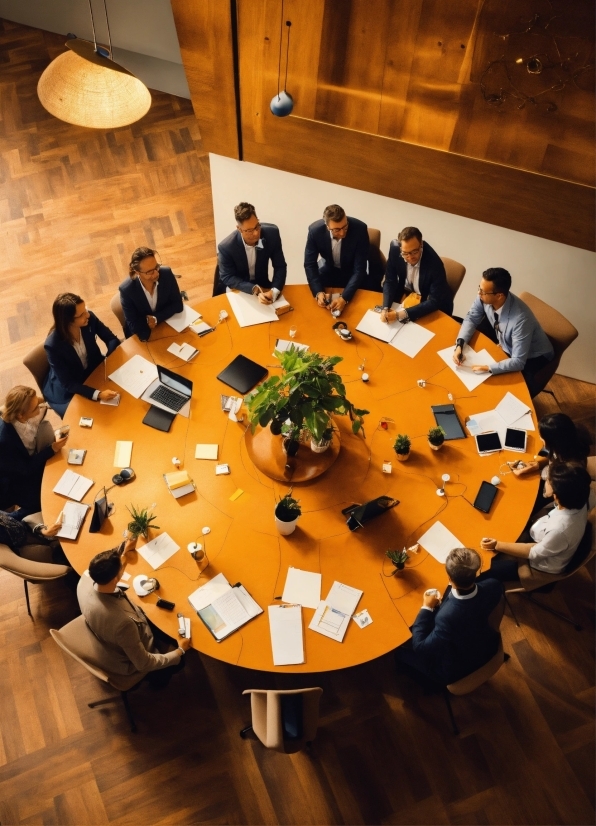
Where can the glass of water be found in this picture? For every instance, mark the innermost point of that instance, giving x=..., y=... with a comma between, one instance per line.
x=292, y=332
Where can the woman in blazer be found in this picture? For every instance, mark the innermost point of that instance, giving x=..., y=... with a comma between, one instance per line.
x=149, y=295
x=73, y=353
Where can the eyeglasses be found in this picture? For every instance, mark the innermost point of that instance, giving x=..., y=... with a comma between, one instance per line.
x=412, y=252
x=485, y=292
x=250, y=230
x=149, y=272
x=337, y=230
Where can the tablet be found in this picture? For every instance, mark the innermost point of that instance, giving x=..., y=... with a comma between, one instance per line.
x=488, y=443
x=242, y=374
x=485, y=497
x=516, y=439
x=446, y=417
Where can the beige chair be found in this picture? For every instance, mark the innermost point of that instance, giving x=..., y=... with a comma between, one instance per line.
x=455, y=274
x=116, y=308
x=560, y=332
x=282, y=723
x=36, y=361
x=377, y=263
x=80, y=643
x=531, y=580
x=34, y=566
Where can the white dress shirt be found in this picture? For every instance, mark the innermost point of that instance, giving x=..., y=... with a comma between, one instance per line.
x=152, y=299
x=336, y=250
x=557, y=536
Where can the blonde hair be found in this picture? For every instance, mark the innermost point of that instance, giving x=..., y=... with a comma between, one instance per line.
x=16, y=402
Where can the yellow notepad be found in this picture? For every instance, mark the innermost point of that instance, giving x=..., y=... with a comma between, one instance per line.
x=177, y=479
x=122, y=454
x=206, y=452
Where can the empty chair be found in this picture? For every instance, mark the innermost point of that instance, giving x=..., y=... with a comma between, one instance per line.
x=36, y=361
x=284, y=720
x=560, y=332
x=116, y=308
x=377, y=262
x=34, y=566
x=455, y=274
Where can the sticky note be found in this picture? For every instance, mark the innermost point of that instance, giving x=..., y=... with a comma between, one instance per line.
x=236, y=495
x=123, y=454
x=206, y=452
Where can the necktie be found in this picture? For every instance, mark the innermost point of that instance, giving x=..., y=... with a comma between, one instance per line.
x=496, y=323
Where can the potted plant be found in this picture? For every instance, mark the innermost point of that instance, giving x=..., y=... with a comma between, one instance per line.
x=399, y=558
x=140, y=522
x=287, y=513
x=306, y=395
x=436, y=437
x=401, y=446
x=291, y=437
x=323, y=443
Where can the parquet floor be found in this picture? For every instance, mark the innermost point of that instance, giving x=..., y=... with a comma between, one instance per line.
x=73, y=204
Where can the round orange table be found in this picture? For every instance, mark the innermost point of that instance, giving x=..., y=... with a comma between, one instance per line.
x=243, y=542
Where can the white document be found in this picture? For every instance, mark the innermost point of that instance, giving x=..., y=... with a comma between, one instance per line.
x=73, y=514
x=285, y=627
x=201, y=327
x=206, y=452
x=344, y=597
x=135, y=375
x=485, y=423
x=209, y=592
x=510, y=409
x=180, y=321
x=249, y=310
x=525, y=422
x=73, y=485
x=372, y=325
x=184, y=351
x=517, y=415
x=333, y=614
x=280, y=302
x=410, y=338
x=438, y=541
x=159, y=550
x=302, y=587
x=282, y=344
x=222, y=608
x=123, y=454
x=464, y=372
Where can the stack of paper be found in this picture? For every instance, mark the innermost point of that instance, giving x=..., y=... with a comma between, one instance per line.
x=303, y=588
x=510, y=412
x=73, y=514
x=201, y=328
x=438, y=541
x=135, y=375
x=222, y=608
x=159, y=550
x=464, y=371
x=180, y=321
x=333, y=614
x=179, y=483
x=285, y=627
x=249, y=310
x=184, y=351
x=407, y=338
x=123, y=454
x=206, y=452
x=73, y=485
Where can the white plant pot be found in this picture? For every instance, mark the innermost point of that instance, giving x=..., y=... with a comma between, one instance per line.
x=286, y=528
x=403, y=457
x=319, y=447
x=436, y=447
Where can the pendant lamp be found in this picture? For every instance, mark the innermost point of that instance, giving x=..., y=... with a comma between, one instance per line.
x=282, y=103
x=85, y=87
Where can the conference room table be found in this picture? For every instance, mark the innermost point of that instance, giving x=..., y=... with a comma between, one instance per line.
x=243, y=542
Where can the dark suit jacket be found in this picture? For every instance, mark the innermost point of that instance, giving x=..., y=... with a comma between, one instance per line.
x=136, y=307
x=455, y=639
x=353, y=257
x=22, y=473
x=233, y=264
x=66, y=365
x=435, y=293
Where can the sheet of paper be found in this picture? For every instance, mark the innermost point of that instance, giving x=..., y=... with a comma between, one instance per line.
x=438, y=541
x=343, y=597
x=73, y=485
x=486, y=422
x=280, y=302
x=329, y=622
x=206, y=452
x=159, y=550
x=526, y=422
x=123, y=454
x=230, y=609
x=209, y=592
x=372, y=325
x=410, y=338
x=73, y=514
x=510, y=408
x=135, y=375
x=249, y=310
x=180, y=321
x=282, y=344
x=285, y=627
x=302, y=588
x=183, y=351
x=467, y=376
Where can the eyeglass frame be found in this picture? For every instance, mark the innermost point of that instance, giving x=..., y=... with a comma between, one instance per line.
x=412, y=252
x=156, y=268
x=338, y=229
x=250, y=230
x=480, y=291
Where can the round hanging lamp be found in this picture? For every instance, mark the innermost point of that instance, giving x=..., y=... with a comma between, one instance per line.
x=85, y=87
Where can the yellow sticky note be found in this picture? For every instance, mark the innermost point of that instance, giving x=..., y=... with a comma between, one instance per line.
x=206, y=452
x=236, y=495
x=122, y=454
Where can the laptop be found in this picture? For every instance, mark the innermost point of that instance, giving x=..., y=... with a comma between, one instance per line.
x=242, y=374
x=169, y=391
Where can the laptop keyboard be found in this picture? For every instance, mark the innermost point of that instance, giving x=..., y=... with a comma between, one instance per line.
x=168, y=397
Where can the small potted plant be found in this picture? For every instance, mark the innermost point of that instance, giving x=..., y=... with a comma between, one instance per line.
x=321, y=445
x=399, y=558
x=291, y=438
x=436, y=437
x=140, y=522
x=287, y=513
x=401, y=446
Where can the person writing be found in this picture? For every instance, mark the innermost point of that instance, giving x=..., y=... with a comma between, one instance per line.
x=73, y=354
x=149, y=295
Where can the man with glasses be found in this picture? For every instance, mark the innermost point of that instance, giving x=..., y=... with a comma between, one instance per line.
x=414, y=270
x=149, y=295
x=244, y=256
x=514, y=327
x=335, y=256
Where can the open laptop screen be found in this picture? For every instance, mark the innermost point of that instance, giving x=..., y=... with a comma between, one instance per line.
x=175, y=381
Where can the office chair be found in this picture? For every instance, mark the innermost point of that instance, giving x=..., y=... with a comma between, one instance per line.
x=218, y=287
x=80, y=643
x=531, y=580
x=560, y=332
x=377, y=263
x=284, y=720
x=455, y=274
x=36, y=361
x=116, y=308
x=33, y=565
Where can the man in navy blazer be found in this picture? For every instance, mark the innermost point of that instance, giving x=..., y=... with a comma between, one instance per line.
x=244, y=256
x=452, y=637
x=336, y=255
x=414, y=267
x=136, y=306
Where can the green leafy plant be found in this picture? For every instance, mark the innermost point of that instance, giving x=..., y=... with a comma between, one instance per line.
x=399, y=558
x=436, y=436
x=140, y=522
x=402, y=444
x=288, y=508
x=308, y=393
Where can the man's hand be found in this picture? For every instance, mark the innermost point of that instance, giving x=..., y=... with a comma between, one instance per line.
x=338, y=304
x=59, y=443
x=480, y=368
x=151, y=321
x=184, y=644
x=265, y=297
x=388, y=315
x=488, y=544
x=105, y=395
x=430, y=601
x=322, y=300
x=458, y=356
x=530, y=467
x=130, y=544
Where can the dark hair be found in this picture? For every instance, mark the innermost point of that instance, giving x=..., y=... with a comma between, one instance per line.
x=333, y=212
x=64, y=310
x=462, y=565
x=243, y=212
x=138, y=255
x=408, y=233
x=570, y=483
x=499, y=278
x=563, y=440
x=105, y=566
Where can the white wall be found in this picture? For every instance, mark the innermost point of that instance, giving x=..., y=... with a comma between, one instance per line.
x=558, y=274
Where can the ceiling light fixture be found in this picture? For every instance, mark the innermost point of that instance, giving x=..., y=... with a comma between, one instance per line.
x=84, y=86
x=282, y=103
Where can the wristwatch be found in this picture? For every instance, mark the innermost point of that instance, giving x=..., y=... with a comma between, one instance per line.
x=460, y=343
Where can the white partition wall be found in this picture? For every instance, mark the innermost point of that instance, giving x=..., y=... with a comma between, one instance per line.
x=558, y=274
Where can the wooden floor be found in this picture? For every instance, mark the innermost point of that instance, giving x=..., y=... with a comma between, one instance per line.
x=73, y=204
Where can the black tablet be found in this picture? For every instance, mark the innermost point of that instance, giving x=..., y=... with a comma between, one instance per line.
x=516, y=439
x=488, y=443
x=485, y=497
x=159, y=419
x=446, y=417
x=242, y=374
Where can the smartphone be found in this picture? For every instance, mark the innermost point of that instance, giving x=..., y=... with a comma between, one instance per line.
x=485, y=497
x=165, y=604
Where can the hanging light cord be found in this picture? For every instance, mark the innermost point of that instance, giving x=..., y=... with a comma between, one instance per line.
x=281, y=33
x=288, y=24
x=105, y=8
x=93, y=25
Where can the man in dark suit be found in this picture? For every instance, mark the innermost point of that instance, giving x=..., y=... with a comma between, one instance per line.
x=452, y=638
x=149, y=295
x=335, y=256
x=414, y=268
x=243, y=257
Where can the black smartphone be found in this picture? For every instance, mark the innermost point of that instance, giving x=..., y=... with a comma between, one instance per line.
x=485, y=497
x=165, y=604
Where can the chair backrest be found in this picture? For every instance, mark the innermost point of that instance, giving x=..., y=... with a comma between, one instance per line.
x=267, y=717
x=30, y=569
x=481, y=675
x=116, y=308
x=560, y=331
x=36, y=361
x=218, y=287
x=377, y=263
x=455, y=274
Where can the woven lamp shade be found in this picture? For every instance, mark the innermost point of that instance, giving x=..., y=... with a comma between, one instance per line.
x=86, y=89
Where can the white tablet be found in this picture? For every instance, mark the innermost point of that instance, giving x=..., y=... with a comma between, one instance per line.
x=488, y=443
